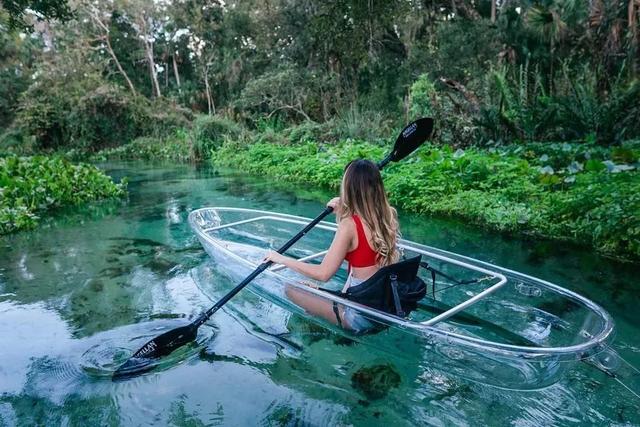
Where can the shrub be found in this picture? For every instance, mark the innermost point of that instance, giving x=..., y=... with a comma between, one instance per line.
x=209, y=132
x=517, y=106
x=450, y=111
x=356, y=124
x=14, y=141
x=308, y=131
x=161, y=117
x=610, y=118
x=87, y=113
x=422, y=97
x=79, y=113
x=175, y=147
x=503, y=190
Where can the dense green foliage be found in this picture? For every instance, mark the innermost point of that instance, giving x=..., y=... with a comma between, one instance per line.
x=31, y=185
x=65, y=111
x=16, y=62
x=205, y=134
x=581, y=198
x=46, y=9
x=179, y=80
x=146, y=148
x=539, y=70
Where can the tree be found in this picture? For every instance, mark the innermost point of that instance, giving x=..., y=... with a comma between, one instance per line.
x=143, y=18
x=101, y=20
x=40, y=9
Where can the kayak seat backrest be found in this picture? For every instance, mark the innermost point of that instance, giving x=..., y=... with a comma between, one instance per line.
x=377, y=291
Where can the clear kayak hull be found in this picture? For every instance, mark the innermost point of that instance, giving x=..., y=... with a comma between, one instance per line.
x=504, y=328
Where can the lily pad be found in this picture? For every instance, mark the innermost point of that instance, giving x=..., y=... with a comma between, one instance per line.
x=547, y=170
x=459, y=153
x=575, y=167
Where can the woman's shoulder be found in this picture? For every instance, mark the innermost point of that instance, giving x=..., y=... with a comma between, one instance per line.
x=348, y=222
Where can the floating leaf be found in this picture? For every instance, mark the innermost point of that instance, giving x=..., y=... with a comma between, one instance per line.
x=459, y=153
x=575, y=167
x=594, y=165
x=609, y=165
x=547, y=170
x=613, y=168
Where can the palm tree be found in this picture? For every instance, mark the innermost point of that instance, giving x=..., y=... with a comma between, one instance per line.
x=546, y=22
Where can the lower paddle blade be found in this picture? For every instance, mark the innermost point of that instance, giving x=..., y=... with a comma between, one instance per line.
x=132, y=368
x=159, y=346
x=411, y=138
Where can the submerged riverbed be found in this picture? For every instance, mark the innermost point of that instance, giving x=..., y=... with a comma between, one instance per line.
x=91, y=283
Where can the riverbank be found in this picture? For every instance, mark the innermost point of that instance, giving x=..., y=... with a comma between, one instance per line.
x=578, y=192
x=570, y=192
x=30, y=186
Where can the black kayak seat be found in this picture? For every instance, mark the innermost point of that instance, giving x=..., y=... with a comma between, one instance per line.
x=394, y=289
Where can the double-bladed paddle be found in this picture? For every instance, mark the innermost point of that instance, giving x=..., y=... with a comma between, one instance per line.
x=409, y=139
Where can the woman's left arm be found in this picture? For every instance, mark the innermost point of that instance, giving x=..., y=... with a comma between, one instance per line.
x=331, y=261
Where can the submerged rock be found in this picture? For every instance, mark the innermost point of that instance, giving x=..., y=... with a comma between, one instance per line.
x=375, y=382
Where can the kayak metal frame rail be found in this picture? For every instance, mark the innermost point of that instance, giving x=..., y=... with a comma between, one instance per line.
x=307, y=258
x=502, y=280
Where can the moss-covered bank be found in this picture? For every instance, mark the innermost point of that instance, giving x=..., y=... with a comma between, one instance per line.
x=582, y=194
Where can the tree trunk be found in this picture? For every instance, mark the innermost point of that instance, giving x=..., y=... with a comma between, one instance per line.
x=175, y=72
x=493, y=11
x=106, y=36
x=633, y=11
x=166, y=76
x=118, y=65
x=148, y=52
x=472, y=99
x=371, y=49
x=210, y=105
x=148, y=47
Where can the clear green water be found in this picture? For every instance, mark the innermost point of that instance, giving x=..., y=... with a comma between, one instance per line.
x=92, y=282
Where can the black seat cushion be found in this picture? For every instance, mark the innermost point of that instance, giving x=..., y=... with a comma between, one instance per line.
x=376, y=291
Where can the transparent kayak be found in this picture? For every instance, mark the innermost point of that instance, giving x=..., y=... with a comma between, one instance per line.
x=479, y=321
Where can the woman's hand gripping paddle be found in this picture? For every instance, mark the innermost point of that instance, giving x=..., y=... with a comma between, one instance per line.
x=407, y=142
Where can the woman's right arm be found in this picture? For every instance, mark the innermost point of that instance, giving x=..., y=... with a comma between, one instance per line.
x=331, y=261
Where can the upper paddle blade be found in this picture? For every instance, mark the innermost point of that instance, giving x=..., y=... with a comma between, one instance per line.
x=411, y=138
x=157, y=347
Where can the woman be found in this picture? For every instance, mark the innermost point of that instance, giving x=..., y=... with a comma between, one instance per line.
x=366, y=238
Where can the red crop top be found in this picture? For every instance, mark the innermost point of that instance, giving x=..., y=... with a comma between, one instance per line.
x=363, y=255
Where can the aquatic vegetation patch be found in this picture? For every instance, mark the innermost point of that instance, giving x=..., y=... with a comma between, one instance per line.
x=31, y=185
x=577, y=193
x=375, y=382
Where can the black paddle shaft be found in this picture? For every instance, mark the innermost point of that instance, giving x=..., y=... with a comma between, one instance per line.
x=409, y=139
x=262, y=267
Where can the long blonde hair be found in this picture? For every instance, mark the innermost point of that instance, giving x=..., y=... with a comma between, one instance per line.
x=362, y=193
